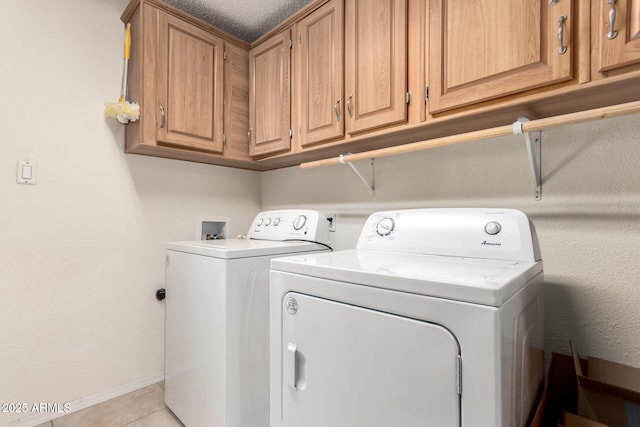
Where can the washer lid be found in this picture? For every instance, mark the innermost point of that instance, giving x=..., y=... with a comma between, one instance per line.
x=475, y=280
x=242, y=248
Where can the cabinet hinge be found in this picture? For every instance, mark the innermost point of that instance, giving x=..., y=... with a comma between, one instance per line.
x=290, y=132
x=459, y=375
x=290, y=44
x=426, y=93
x=224, y=55
x=408, y=98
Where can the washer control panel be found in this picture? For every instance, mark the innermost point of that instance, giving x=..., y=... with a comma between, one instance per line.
x=290, y=224
x=465, y=232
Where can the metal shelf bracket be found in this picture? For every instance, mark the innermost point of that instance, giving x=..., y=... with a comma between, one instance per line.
x=371, y=187
x=534, y=150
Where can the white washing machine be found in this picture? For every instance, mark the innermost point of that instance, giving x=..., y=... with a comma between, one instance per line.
x=435, y=319
x=217, y=317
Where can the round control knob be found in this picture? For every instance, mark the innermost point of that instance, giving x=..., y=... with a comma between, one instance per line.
x=276, y=221
x=492, y=228
x=299, y=222
x=268, y=221
x=385, y=226
x=260, y=221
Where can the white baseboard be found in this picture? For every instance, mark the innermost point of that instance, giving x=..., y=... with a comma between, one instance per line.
x=85, y=402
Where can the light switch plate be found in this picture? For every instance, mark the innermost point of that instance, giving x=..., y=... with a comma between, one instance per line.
x=27, y=172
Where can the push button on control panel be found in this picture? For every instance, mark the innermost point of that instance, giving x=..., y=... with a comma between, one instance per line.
x=492, y=228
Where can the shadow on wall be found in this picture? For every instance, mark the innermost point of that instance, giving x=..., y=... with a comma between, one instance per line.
x=573, y=148
x=562, y=317
x=594, y=317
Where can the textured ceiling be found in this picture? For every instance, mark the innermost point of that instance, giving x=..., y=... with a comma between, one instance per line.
x=245, y=19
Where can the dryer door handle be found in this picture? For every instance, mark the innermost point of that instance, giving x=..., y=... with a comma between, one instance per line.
x=290, y=367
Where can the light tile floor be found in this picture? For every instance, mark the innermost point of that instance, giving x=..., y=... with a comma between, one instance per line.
x=141, y=408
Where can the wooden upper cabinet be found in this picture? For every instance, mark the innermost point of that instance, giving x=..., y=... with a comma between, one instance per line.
x=190, y=85
x=484, y=49
x=270, y=95
x=617, y=32
x=375, y=63
x=320, y=74
x=634, y=21
x=236, y=102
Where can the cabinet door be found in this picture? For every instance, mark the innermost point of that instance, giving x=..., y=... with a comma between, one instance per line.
x=190, y=85
x=270, y=95
x=348, y=366
x=236, y=102
x=618, y=33
x=376, y=63
x=484, y=49
x=321, y=74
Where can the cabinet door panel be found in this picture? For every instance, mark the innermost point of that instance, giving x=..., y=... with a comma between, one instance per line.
x=376, y=63
x=634, y=18
x=236, y=99
x=321, y=75
x=622, y=46
x=484, y=49
x=190, y=86
x=270, y=95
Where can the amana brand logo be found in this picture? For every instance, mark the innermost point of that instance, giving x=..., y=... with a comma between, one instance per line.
x=485, y=243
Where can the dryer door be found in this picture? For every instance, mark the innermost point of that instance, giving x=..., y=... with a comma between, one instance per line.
x=347, y=366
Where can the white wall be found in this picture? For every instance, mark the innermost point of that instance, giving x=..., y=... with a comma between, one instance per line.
x=81, y=252
x=588, y=220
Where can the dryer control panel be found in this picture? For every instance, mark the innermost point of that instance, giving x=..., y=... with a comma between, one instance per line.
x=505, y=234
x=290, y=224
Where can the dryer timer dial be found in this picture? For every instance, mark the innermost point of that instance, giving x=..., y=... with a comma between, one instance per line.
x=385, y=226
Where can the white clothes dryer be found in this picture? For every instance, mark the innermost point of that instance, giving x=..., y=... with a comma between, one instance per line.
x=435, y=319
x=217, y=316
